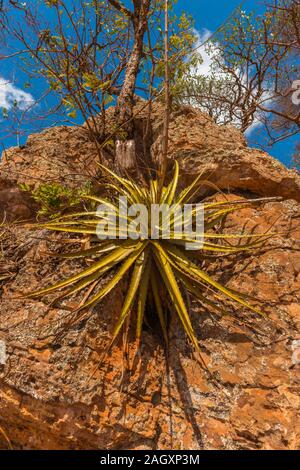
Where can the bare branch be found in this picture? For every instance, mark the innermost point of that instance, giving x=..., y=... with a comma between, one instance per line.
x=121, y=8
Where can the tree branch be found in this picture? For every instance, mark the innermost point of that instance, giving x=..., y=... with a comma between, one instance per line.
x=120, y=7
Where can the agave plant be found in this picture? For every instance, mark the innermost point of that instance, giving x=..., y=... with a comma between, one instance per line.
x=155, y=269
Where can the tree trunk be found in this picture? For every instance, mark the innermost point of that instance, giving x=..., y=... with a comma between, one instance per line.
x=125, y=145
x=164, y=156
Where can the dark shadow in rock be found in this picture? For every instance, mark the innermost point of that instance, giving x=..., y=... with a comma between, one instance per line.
x=185, y=395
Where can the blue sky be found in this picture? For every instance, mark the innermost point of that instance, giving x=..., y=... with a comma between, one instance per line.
x=208, y=14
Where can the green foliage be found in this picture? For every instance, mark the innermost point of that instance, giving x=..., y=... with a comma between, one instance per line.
x=250, y=73
x=51, y=3
x=182, y=55
x=83, y=52
x=159, y=270
x=54, y=198
x=4, y=113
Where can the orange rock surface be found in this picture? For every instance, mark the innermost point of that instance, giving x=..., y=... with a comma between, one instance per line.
x=53, y=392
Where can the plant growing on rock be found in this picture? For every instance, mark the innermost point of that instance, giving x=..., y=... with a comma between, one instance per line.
x=158, y=269
x=54, y=198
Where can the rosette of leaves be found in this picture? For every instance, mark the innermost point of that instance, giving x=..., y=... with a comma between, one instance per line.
x=155, y=270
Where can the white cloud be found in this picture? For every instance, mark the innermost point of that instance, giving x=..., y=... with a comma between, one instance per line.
x=205, y=67
x=10, y=94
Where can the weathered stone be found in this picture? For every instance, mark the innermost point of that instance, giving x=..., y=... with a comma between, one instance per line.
x=69, y=155
x=14, y=203
x=55, y=394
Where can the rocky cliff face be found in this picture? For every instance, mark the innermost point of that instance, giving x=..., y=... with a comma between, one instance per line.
x=54, y=394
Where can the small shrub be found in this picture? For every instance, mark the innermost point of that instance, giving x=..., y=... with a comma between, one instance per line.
x=54, y=198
